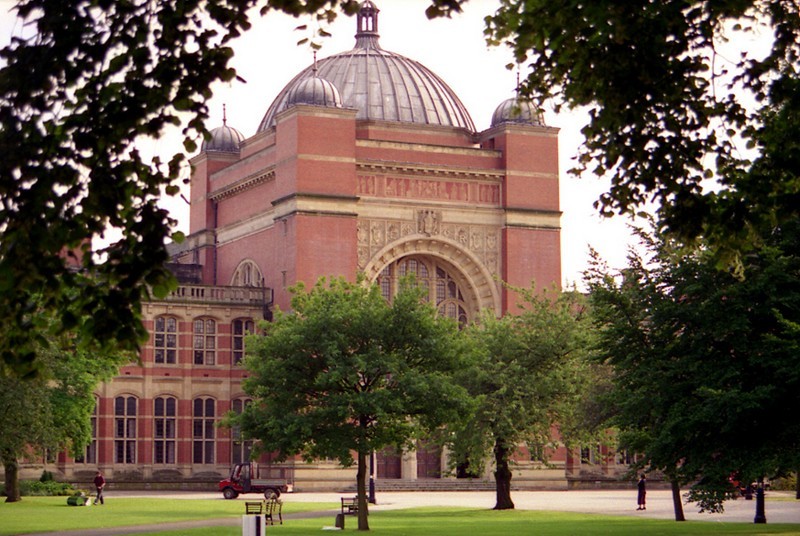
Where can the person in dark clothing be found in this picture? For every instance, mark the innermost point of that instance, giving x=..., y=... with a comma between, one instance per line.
x=642, y=485
x=99, y=483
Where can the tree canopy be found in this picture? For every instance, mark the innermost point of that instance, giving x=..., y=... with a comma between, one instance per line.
x=526, y=373
x=52, y=411
x=705, y=361
x=670, y=107
x=346, y=372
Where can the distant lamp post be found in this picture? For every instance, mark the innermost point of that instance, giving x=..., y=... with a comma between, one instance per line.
x=371, y=497
x=761, y=517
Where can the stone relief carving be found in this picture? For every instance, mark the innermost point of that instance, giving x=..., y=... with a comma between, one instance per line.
x=482, y=240
x=428, y=221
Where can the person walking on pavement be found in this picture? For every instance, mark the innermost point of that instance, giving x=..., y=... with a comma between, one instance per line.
x=99, y=483
x=642, y=485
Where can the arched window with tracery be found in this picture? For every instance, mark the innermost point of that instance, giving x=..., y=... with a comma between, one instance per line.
x=125, y=413
x=240, y=448
x=439, y=279
x=203, y=430
x=90, y=453
x=165, y=429
x=247, y=274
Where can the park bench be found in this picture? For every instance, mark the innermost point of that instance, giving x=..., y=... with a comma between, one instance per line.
x=272, y=507
x=253, y=507
x=350, y=506
x=269, y=508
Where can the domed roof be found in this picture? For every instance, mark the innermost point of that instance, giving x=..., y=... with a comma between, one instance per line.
x=517, y=110
x=315, y=91
x=224, y=139
x=379, y=84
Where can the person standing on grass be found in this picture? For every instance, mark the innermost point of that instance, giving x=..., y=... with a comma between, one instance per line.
x=642, y=485
x=99, y=483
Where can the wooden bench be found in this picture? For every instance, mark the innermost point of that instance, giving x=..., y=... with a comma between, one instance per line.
x=273, y=506
x=252, y=507
x=350, y=506
x=269, y=509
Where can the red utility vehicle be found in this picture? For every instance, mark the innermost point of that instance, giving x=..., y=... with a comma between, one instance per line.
x=244, y=479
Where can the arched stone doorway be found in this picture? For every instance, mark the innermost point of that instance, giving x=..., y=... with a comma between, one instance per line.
x=459, y=286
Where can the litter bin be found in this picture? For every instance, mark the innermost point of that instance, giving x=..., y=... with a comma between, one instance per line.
x=254, y=525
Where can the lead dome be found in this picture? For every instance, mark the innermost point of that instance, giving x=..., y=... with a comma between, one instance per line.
x=224, y=139
x=517, y=110
x=316, y=92
x=379, y=84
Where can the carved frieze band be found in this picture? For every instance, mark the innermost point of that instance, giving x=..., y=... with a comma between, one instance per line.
x=435, y=185
x=482, y=240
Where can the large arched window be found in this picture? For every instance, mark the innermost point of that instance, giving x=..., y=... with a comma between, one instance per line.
x=164, y=429
x=125, y=429
x=444, y=289
x=240, y=448
x=205, y=341
x=203, y=436
x=165, y=339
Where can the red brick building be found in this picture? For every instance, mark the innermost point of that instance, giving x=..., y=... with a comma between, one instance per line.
x=365, y=162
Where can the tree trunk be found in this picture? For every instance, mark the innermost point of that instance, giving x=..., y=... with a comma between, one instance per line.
x=361, y=479
x=12, y=479
x=502, y=477
x=797, y=485
x=677, y=504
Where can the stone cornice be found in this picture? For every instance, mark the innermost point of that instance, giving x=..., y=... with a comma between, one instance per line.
x=427, y=148
x=532, y=219
x=384, y=167
x=312, y=203
x=241, y=185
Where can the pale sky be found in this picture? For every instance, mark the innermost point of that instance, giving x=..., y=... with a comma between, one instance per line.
x=267, y=57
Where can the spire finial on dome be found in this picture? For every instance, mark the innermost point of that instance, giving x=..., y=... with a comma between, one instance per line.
x=314, y=68
x=367, y=25
x=224, y=115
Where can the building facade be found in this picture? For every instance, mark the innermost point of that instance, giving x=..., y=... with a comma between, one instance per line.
x=366, y=162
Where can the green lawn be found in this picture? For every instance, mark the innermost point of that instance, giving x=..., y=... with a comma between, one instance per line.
x=469, y=522
x=42, y=514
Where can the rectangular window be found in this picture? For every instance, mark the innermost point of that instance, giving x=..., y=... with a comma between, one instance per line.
x=241, y=328
x=165, y=340
x=204, y=344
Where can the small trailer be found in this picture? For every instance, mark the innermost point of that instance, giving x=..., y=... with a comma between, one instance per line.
x=244, y=479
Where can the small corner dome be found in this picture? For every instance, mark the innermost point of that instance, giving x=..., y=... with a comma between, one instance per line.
x=316, y=92
x=516, y=110
x=223, y=139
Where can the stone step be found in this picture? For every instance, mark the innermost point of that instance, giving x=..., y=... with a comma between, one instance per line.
x=432, y=484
